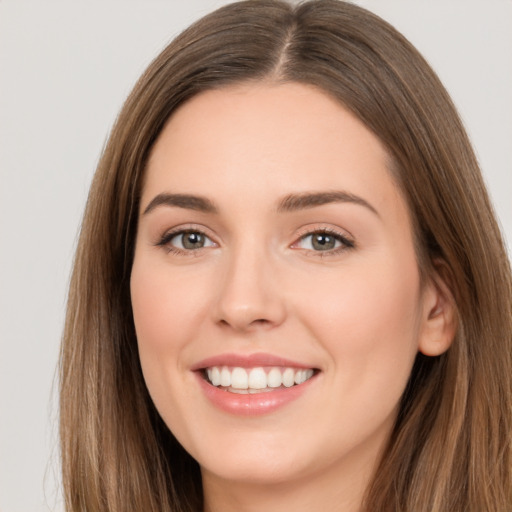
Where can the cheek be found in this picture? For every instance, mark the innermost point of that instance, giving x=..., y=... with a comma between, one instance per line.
x=165, y=306
x=367, y=319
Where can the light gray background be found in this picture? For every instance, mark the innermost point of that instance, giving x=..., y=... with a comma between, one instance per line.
x=65, y=69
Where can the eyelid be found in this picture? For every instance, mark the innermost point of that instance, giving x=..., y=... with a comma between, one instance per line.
x=169, y=234
x=346, y=239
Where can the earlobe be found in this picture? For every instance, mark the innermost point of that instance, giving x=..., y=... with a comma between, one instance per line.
x=439, y=323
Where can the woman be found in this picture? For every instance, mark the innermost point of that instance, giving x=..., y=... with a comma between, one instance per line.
x=290, y=290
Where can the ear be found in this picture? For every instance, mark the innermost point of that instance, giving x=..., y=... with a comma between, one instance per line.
x=439, y=321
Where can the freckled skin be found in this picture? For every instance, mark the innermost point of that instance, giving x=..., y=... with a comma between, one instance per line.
x=358, y=315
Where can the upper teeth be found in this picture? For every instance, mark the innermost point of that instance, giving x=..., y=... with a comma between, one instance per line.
x=257, y=378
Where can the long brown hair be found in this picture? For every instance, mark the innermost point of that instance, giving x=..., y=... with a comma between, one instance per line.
x=451, y=446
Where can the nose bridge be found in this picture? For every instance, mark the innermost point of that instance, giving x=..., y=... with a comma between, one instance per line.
x=248, y=293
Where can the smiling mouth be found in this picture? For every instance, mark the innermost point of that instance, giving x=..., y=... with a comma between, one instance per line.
x=256, y=380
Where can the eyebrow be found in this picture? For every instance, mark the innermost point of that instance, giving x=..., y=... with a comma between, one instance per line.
x=290, y=203
x=294, y=202
x=190, y=202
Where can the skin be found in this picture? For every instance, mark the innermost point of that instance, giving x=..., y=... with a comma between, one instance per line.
x=357, y=314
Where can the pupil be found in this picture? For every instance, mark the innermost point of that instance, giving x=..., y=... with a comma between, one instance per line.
x=323, y=242
x=193, y=240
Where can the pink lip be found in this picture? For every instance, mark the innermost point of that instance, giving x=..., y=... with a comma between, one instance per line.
x=247, y=361
x=252, y=404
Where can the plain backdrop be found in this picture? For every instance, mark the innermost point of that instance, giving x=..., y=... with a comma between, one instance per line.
x=65, y=69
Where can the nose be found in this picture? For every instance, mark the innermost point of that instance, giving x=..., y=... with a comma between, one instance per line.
x=249, y=295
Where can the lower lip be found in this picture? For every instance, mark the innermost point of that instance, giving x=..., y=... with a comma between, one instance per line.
x=252, y=404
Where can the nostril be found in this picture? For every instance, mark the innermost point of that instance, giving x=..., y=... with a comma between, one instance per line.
x=248, y=309
x=250, y=325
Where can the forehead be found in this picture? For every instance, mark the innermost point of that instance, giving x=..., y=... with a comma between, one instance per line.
x=265, y=140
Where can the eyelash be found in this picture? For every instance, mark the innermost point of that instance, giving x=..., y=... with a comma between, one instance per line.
x=345, y=242
x=165, y=240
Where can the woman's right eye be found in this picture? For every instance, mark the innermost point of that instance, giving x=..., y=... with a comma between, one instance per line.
x=187, y=240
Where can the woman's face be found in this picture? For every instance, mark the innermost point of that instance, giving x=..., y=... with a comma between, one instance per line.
x=275, y=288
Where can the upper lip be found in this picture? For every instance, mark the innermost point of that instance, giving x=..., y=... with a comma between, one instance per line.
x=248, y=361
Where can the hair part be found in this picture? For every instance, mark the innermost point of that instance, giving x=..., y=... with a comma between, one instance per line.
x=451, y=445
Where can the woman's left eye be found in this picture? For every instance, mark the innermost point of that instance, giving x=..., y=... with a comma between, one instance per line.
x=323, y=241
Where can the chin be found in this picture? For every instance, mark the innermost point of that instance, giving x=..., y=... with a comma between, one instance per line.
x=257, y=470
